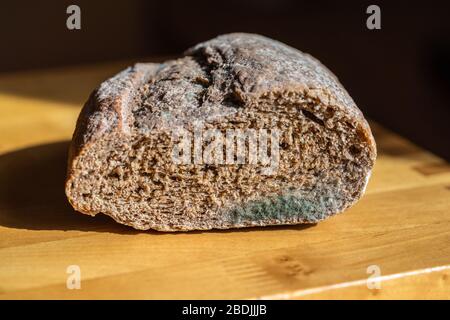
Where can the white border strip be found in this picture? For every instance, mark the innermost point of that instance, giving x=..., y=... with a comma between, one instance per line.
x=305, y=292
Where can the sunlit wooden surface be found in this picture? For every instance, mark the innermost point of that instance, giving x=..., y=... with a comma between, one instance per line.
x=401, y=226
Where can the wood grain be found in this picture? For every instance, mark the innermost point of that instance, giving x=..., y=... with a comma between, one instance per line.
x=402, y=225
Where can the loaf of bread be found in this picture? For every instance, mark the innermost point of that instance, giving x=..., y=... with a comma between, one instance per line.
x=241, y=131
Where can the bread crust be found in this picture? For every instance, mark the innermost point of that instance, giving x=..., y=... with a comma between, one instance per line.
x=233, y=71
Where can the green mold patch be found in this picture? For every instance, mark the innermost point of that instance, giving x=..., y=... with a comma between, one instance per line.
x=299, y=207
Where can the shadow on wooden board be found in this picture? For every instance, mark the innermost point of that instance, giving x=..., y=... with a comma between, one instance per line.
x=32, y=192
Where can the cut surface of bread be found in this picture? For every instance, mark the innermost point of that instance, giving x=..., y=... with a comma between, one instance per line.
x=241, y=131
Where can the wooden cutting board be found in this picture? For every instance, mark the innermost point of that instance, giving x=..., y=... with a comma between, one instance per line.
x=398, y=234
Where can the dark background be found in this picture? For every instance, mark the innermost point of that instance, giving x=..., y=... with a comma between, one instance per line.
x=398, y=76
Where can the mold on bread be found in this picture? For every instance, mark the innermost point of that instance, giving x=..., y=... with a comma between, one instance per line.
x=121, y=159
